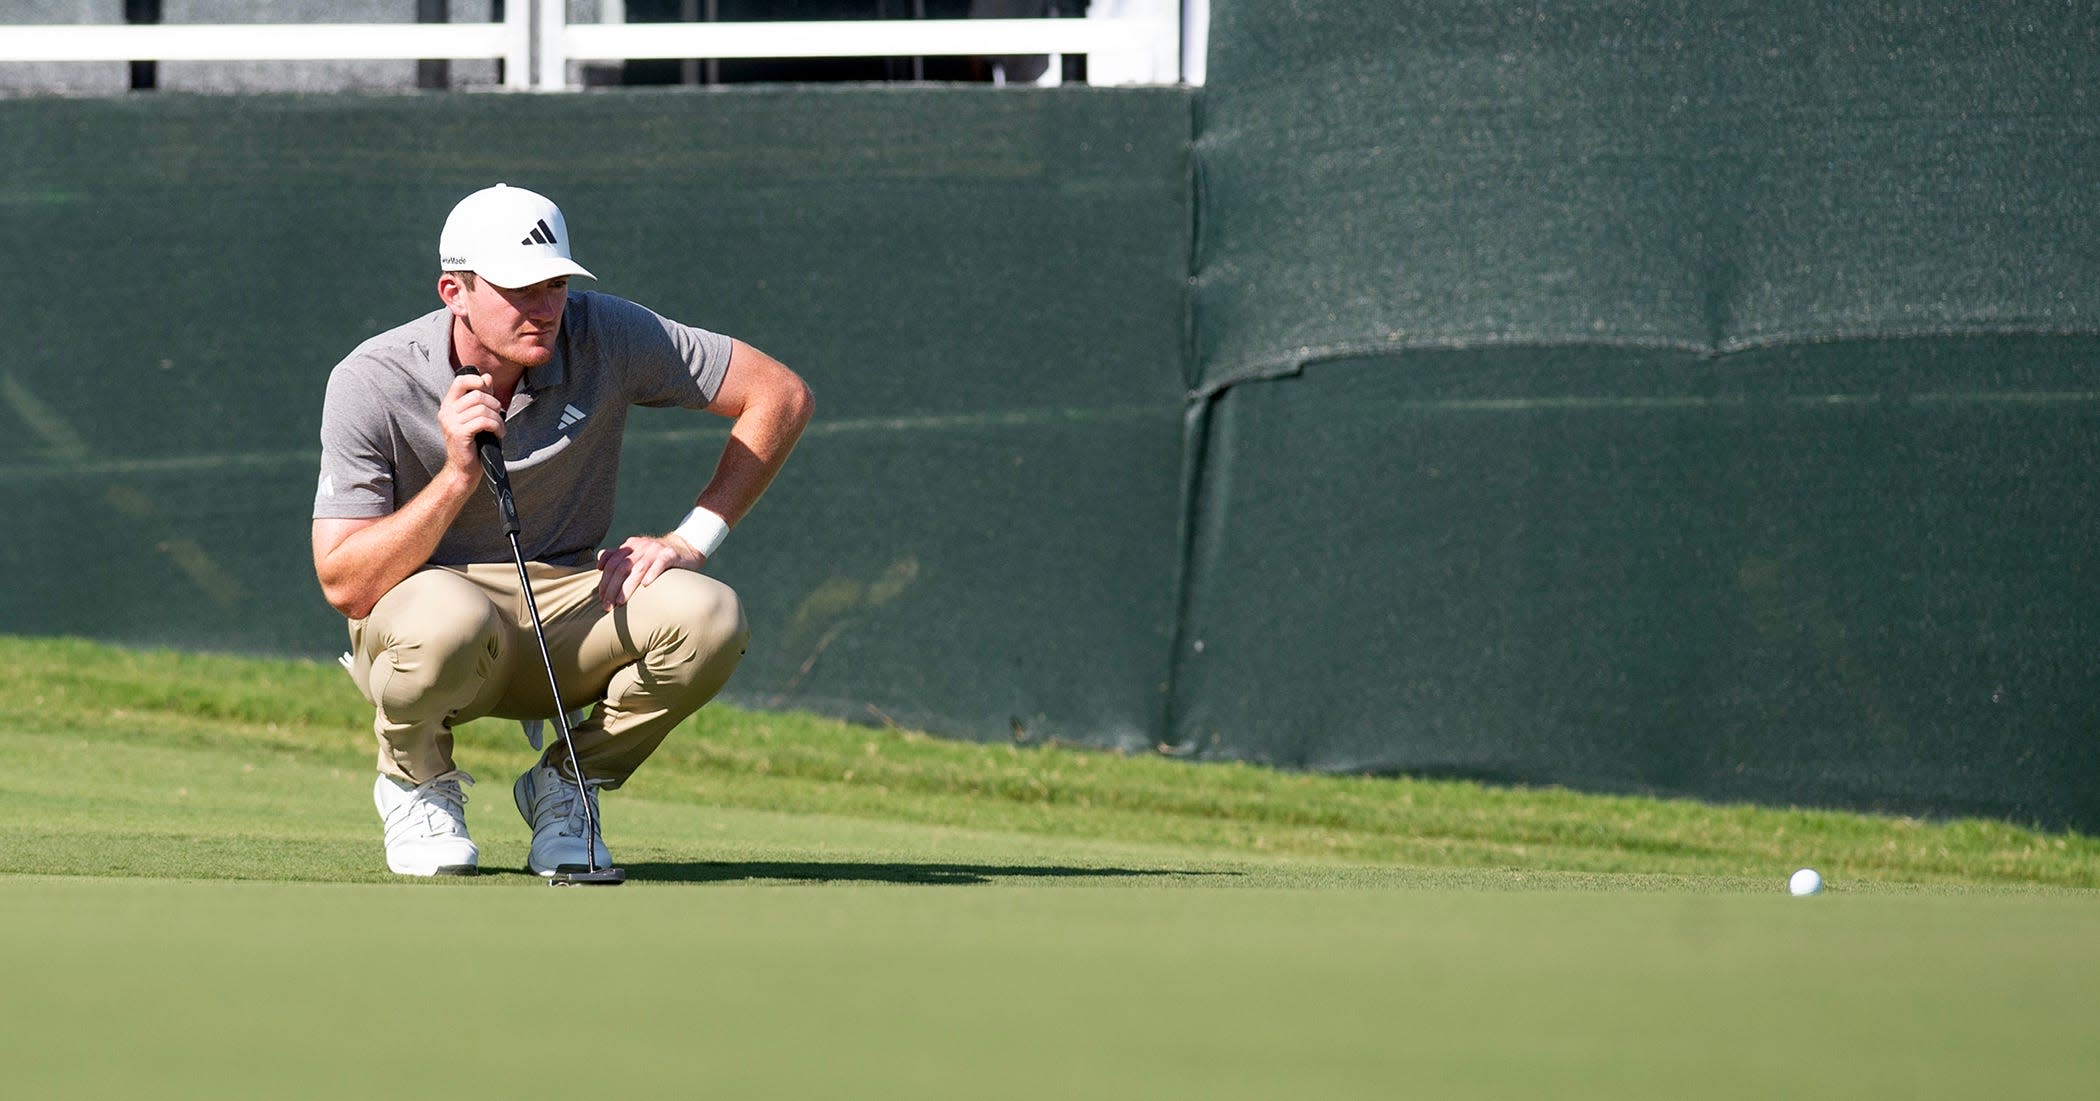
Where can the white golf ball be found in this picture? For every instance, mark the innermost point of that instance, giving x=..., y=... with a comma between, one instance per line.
x=1807, y=881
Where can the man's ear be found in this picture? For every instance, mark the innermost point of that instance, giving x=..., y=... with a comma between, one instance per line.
x=452, y=291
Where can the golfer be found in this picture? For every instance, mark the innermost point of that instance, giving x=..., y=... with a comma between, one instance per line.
x=412, y=549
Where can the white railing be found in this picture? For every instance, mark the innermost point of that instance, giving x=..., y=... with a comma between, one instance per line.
x=1147, y=46
x=510, y=40
x=1120, y=50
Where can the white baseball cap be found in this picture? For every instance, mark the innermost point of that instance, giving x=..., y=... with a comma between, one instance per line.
x=509, y=236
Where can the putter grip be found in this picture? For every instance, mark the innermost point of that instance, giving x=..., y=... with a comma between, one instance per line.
x=490, y=451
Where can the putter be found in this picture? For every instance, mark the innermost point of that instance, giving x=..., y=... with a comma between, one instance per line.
x=491, y=454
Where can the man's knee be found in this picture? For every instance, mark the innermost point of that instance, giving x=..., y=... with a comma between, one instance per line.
x=696, y=614
x=437, y=644
x=720, y=617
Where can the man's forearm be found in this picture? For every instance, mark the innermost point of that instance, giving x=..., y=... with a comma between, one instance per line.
x=759, y=445
x=368, y=562
x=770, y=405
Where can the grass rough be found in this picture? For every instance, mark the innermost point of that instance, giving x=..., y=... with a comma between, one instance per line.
x=98, y=706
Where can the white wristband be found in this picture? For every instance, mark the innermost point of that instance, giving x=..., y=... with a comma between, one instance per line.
x=704, y=530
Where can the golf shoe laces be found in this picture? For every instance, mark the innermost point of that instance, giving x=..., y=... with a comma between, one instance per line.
x=437, y=807
x=571, y=798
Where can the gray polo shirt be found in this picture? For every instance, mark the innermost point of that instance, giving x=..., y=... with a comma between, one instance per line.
x=381, y=445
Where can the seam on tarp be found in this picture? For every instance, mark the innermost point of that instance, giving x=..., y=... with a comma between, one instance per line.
x=1195, y=450
x=1307, y=356
x=1193, y=441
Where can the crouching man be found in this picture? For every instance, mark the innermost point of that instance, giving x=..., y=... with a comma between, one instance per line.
x=408, y=544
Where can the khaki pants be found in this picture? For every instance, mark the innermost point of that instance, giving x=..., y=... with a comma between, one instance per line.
x=450, y=644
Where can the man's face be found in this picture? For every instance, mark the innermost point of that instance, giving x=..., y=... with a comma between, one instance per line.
x=519, y=325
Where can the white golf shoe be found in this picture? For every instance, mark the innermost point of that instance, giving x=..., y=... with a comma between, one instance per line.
x=426, y=825
x=554, y=808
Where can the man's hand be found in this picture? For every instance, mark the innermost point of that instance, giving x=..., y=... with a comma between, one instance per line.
x=770, y=405
x=638, y=561
x=469, y=408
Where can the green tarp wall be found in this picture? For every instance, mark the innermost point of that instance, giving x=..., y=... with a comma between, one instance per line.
x=1691, y=397
x=1687, y=398
x=986, y=290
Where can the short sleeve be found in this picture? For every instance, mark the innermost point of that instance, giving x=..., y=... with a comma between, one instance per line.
x=664, y=362
x=357, y=479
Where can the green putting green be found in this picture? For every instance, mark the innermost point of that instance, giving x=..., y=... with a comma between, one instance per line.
x=975, y=967
x=193, y=903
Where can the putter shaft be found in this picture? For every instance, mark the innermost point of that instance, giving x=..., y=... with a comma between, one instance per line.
x=490, y=452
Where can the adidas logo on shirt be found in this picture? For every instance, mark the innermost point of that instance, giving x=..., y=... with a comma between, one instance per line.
x=571, y=416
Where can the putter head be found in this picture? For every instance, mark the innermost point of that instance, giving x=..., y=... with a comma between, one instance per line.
x=572, y=876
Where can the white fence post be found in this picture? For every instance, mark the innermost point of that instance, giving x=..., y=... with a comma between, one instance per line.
x=517, y=49
x=1151, y=58
x=554, y=59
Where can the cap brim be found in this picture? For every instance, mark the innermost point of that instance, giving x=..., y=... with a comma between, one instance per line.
x=524, y=273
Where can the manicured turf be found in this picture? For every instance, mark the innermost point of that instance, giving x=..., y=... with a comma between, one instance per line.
x=1040, y=974
x=126, y=743
x=192, y=903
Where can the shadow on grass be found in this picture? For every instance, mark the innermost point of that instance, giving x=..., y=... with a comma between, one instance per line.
x=848, y=872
